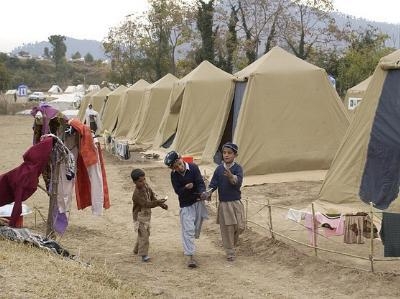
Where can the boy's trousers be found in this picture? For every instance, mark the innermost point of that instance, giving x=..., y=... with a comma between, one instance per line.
x=142, y=240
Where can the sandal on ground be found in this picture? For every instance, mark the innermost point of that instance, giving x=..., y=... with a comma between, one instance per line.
x=145, y=258
x=230, y=258
x=192, y=263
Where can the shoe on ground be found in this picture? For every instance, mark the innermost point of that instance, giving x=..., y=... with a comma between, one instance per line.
x=145, y=258
x=191, y=262
x=230, y=258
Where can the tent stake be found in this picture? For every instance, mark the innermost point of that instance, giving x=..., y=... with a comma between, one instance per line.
x=371, y=247
x=314, y=230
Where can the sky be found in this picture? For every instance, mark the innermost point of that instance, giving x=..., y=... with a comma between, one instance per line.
x=29, y=21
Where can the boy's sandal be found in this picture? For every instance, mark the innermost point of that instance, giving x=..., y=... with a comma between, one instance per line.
x=230, y=258
x=192, y=263
x=145, y=258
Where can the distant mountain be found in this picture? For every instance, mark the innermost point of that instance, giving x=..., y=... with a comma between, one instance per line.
x=95, y=48
x=82, y=46
x=392, y=30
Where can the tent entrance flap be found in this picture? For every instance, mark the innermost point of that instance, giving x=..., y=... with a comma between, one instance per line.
x=381, y=177
x=230, y=126
x=240, y=88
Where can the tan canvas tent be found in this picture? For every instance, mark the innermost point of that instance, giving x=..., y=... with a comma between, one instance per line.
x=129, y=108
x=355, y=94
x=87, y=98
x=110, y=108
x=153, y=106
x=290, y=118
x=98, y=98
x=201, y=100
x=366, y=166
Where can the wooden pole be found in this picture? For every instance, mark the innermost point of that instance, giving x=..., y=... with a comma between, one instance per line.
x=371, y=244
x=314, y=226
x=246, y=212
x=271, y=230
x=53, y=194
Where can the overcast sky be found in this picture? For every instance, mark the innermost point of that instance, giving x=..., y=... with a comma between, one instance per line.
x=27, y=21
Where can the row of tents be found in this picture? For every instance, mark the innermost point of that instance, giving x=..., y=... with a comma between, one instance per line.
x=283, y=112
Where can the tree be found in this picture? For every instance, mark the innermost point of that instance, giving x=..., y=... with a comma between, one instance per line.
x=4, y=77
x=77, y=55
x=122, y=46
x=308, y=25
x=59, y=48
x=58, y=55
x=361, y=57
x=167, y=26
x=144, y=46
x=89, y=58
x=251, y=24
x=231, y=39
x=46, y=52
x=205, y=13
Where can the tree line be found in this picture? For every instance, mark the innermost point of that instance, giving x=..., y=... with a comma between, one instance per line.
x=174, y=36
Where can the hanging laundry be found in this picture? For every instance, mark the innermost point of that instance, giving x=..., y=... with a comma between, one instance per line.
x=390, y=234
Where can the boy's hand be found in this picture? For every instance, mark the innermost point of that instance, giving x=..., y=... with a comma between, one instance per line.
x=164, y=206
x=231, y=177
x=189, y=186
x=206, y=195
x=161, y=201
x=228, y=173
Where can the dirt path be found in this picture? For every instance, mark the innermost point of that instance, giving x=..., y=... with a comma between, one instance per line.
x=264, y=268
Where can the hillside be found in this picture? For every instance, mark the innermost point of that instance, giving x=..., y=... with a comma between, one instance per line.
x=392, y=30
x=74, y=45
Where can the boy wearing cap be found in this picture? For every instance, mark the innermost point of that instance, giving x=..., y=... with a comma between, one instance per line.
x=143, y=201
x=227, y=178
x=188, y=184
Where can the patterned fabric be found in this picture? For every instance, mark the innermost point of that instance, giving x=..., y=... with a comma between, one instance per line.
x=64, y=155
x=24, y=235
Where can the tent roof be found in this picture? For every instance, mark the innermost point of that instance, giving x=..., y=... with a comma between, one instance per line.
x=275, y=61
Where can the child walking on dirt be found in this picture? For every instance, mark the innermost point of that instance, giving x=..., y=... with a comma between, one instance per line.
x=188, y=184
x=227, y=178
x=143, y=201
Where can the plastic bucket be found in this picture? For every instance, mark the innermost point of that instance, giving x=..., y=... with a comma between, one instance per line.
x=187, y=159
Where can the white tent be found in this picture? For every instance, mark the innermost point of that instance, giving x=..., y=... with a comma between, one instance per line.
x=55, y=89
x=66, y=102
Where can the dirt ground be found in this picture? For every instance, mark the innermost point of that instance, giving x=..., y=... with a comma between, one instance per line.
x=264, y=267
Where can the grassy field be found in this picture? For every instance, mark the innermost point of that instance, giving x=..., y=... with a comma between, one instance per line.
x=30, y=272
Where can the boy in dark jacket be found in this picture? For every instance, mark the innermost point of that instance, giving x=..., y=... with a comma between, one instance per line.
x=188, y=184
x=227, y=178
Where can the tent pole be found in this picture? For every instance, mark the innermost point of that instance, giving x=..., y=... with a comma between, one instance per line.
x=271, y=230
x=314, y=230
x=371, y=244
